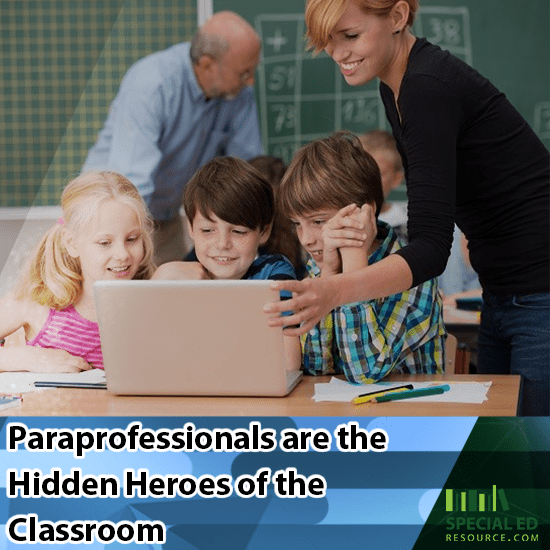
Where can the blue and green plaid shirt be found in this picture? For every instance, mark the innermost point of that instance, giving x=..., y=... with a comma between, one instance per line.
x=368, y=340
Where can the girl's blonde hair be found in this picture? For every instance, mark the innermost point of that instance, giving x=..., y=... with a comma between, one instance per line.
x=54, y=278
x=322, y=15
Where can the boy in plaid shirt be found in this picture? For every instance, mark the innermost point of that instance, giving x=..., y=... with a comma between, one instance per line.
x=333, y=195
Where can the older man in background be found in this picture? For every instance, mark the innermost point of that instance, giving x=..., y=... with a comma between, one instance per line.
x=176, y=110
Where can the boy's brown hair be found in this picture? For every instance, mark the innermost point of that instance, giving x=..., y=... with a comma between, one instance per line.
x=330, y=173
x=231, y=189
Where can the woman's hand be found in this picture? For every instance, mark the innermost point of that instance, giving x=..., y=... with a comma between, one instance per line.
x=344, y=230
x=312, y=299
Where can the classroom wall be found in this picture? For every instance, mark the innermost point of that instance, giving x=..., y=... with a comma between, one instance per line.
x=62, y=63
x=63, y=60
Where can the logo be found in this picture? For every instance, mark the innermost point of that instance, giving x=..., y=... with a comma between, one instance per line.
x=478, y=515
x=475, y=501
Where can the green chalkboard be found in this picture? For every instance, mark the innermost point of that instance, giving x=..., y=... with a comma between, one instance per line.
x=301, y=97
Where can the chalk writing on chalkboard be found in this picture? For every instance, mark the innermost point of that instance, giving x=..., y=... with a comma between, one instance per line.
x=303, y=97
x=542, y=120
x=448, y=28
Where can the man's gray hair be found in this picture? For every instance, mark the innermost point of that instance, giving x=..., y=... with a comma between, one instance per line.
x=207, y=44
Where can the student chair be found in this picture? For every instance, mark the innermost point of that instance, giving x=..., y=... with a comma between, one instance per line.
x=451, y=345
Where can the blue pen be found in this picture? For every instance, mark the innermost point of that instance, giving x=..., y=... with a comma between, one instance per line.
x=420, y=392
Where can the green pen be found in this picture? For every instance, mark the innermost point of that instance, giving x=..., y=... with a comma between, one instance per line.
x=420, y=392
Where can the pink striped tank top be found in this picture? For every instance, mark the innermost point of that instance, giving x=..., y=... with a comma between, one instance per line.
x=68, y=330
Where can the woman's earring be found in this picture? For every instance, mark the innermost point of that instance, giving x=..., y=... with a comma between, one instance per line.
x=396, y=32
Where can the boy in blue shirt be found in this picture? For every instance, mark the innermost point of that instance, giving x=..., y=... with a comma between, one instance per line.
x=230, y=208
x=320, y=191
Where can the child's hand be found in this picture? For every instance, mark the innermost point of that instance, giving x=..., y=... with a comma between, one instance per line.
x=356, y=257
x=59, y=360
x=181, y=271
x=345, y=229
x=36, y=359
x=16, y=338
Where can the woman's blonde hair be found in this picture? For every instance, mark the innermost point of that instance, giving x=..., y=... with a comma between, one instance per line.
x=322, y=15
x=54, y=278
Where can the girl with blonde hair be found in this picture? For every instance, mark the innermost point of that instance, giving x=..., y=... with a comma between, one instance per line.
x=104, y=233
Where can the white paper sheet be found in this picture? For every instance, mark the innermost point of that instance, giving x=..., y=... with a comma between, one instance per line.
x=460, y=392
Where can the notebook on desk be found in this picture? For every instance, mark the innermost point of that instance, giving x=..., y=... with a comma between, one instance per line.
x=191, y=338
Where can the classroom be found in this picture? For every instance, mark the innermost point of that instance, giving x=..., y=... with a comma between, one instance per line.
x=336, y=385
x=65, y=63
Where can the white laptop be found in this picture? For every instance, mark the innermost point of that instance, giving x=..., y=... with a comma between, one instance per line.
x=191, y=338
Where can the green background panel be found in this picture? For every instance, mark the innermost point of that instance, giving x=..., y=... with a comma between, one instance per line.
x=507, y=456
x=62, y=64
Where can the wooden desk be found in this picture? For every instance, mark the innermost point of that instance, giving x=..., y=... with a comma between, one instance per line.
x=464, y=325
x=503, y=399
x=460, y=318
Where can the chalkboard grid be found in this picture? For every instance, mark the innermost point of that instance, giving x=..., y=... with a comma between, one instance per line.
x=62, y=64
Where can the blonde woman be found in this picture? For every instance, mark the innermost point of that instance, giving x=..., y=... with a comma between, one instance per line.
x=469, y=157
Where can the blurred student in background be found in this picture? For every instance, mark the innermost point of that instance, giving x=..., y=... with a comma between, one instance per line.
x=283, y=238
x=381, y=145
x=459, y=278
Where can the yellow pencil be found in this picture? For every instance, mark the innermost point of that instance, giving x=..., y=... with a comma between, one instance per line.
x=367, y=398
